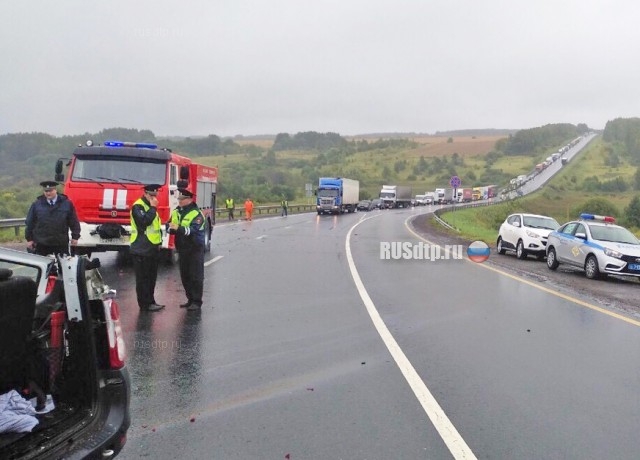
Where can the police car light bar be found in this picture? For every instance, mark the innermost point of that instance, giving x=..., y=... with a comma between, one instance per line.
x=139, y=145
x=608, y=219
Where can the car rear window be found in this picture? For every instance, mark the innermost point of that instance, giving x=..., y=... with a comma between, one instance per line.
x=22, y=270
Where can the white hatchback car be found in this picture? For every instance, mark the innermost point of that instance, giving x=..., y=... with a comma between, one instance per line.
x=525, y=234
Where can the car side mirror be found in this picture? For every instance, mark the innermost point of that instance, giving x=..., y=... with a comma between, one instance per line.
x=516, y=224
x=582, y=236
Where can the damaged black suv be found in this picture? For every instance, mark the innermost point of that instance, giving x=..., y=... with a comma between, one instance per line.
x=64, y=386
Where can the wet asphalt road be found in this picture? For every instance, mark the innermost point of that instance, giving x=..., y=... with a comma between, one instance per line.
x=284, y=361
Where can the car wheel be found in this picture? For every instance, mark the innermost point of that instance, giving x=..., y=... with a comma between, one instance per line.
x=552, y=261
x=591, y=268
x=520, y=252
x=501, y=249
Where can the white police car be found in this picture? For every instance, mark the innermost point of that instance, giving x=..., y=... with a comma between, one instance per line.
x=596, y=245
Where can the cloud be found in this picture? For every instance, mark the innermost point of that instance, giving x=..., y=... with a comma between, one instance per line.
x=251, y=67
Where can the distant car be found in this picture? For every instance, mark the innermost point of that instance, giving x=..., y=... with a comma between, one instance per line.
x=377, y=204
x=364, y=205
x=596, y=245
x=526, y=234
x=60, y=335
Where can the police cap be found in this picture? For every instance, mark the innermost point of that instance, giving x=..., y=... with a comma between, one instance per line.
x=184, y=193
x=49, y=184
x=152, y=189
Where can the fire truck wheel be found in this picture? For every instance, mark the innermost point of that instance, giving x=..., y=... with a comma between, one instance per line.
x=171, y=256
x=123, y=258
x=207, y=238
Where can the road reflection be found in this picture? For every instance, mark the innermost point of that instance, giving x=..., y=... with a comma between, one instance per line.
x=186, y=365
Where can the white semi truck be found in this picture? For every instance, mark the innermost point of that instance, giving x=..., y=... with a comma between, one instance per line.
x=396, y=196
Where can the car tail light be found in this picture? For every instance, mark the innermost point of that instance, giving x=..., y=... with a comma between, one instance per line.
x=51, y=282
x=117, y=351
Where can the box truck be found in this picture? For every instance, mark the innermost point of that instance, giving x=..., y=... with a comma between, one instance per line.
x=335, y=195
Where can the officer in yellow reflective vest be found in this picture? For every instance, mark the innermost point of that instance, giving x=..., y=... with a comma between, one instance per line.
x=145, y=241
x=189, y=226
x=230, y=207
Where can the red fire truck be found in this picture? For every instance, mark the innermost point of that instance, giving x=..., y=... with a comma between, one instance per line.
x=104, y=181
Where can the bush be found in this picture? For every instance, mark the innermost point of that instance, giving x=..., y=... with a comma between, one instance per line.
x=598, y=206
x=632, y=213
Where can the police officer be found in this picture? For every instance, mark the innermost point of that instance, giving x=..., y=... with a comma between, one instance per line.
x=49, y=220
x=230, y=207
x=188, y=226
x=146, y=237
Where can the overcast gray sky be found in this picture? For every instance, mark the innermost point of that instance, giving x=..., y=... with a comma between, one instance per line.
x=347, y=66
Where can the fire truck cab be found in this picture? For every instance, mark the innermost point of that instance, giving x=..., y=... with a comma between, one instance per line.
x=104, y=181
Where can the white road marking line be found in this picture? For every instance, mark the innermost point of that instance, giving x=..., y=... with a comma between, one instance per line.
x=212, y=261
x=449, y=434
x=261, y=237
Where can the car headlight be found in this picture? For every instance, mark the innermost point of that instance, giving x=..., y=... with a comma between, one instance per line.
x=613, y=253
x=531, y=234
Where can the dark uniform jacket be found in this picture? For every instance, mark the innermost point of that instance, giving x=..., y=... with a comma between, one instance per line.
x=49, y=225
x=142, y=246
x=190, y=238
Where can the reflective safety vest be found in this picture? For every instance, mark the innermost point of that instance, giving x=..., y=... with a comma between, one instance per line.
x=153, y=231
x=187, y=218
x=230, y=203
x=191, y=236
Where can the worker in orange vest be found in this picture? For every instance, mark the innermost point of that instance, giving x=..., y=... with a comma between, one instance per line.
x=248, y=208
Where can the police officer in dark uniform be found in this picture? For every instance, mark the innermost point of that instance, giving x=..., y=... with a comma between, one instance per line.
x=49, y=220
x=188, y=225
x=146, y=238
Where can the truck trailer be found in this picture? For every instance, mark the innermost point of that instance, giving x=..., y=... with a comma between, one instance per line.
x=464, y=195
x=335, y=195
x=396, y=196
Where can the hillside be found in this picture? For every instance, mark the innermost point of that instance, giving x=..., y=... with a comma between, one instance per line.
x=268, y=168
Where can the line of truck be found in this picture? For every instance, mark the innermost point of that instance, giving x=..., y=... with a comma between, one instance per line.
x=460, y=195
x=337, y=195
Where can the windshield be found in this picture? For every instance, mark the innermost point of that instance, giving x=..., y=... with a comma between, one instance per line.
x=613, y=234
x=119, y=170
x=387, y=195
x=328, y=193
x=541, y=222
